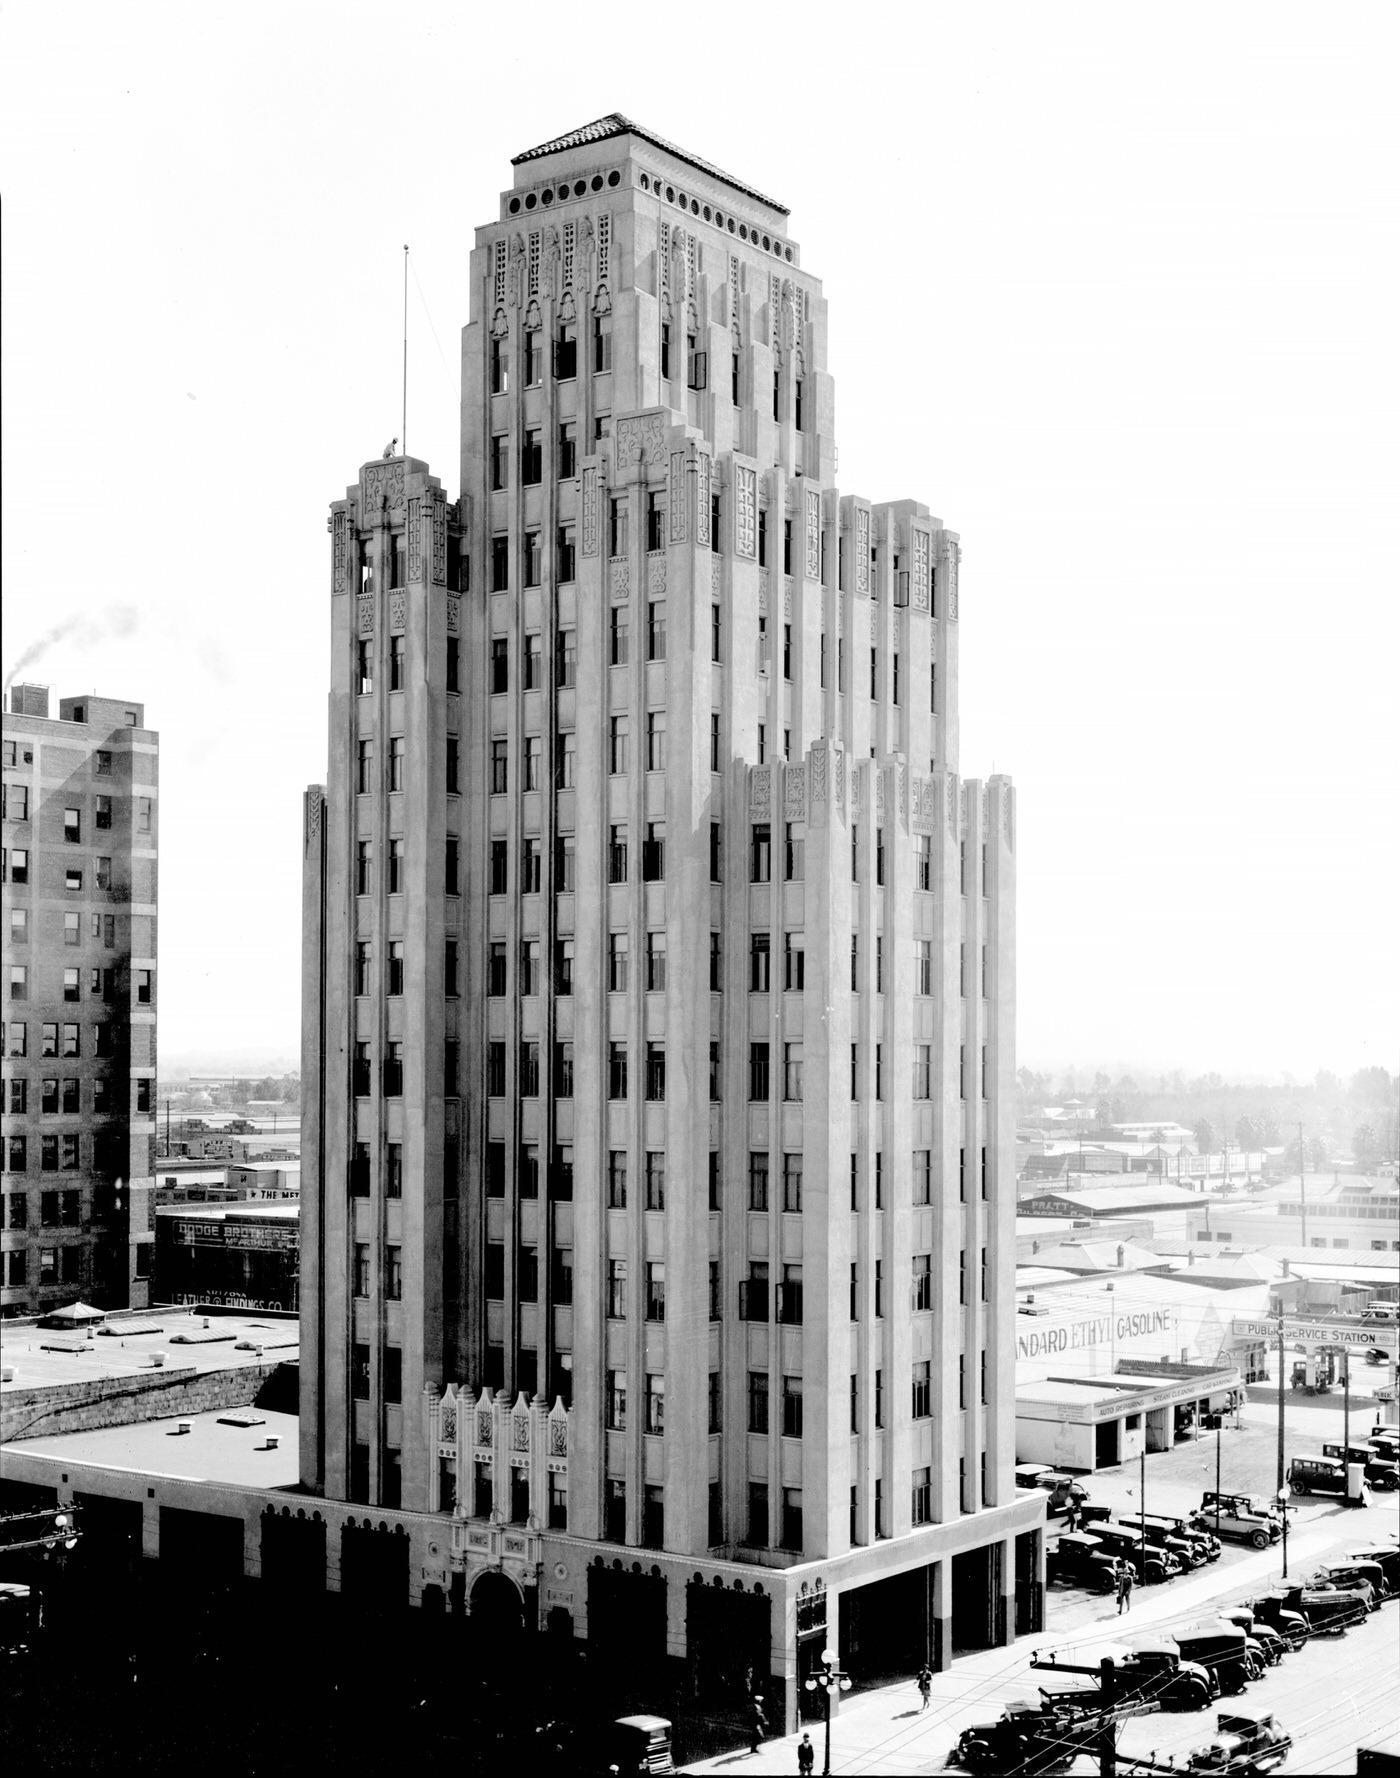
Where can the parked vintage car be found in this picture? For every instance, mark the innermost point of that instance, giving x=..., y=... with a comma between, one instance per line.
x=1381, y=1471
x=1081, y=1561
x=1224, y=1649
x=1318, y=1475
x=1282, y=1608
x=1355, y=1575
x=1388, y=1556
x=1191, y=1550
x=1331, y=1609
x=1241, y=1744
x=1237, y=1516
x=1029, y=1738
x=1152, y=1672
x=1061, y=1488
x=1150, y=1564
x=1270, y=1643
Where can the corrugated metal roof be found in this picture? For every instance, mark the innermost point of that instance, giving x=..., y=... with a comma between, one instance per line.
x=615, y=124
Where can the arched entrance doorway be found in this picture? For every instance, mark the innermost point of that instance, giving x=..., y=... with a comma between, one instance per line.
x=497, y=1608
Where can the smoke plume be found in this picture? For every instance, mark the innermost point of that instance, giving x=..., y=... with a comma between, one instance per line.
x=81, y=633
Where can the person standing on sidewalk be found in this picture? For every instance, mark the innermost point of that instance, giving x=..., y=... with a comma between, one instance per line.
x=806, y=1756
x=924, y=1681
x=1125, y=1587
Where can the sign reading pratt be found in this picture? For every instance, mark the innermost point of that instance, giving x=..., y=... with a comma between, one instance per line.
x=1354, y=1336
x=1092, y=1330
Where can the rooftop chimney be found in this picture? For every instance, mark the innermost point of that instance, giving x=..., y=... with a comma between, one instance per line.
x=29, y=700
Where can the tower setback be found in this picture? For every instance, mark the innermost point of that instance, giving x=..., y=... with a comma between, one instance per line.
x=658, y=1048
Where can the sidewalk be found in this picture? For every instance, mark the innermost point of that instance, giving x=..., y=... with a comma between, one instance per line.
x=882, y=1731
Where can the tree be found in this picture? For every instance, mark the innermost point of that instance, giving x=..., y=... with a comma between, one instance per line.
x=1205, y=1135
x=1248, y=1134
x=1365, y=1148
x=1374, y=1089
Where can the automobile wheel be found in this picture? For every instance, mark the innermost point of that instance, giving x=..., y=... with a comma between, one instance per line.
x=1296, y=1640
x=1260, y=1540
x=976, y=1756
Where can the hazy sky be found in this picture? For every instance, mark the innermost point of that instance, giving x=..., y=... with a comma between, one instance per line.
x=1113, y=290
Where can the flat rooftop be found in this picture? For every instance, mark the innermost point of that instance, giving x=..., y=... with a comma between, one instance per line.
x=211, y=1451
x=250, y=1210
x=45, y=1358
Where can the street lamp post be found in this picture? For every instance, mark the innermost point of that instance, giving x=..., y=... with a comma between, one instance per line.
x=1285, y=1494
x=830, y=1679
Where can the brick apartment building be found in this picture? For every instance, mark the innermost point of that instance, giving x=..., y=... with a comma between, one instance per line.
x=79, y=866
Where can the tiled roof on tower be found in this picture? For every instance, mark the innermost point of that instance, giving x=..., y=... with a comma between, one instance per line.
x=615, y=124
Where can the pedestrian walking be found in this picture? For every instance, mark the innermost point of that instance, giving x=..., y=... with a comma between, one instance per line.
x=1072, y=1514
x=924, y=1682
x=806, y=1756
x=1125, y=1587
x=758, y=1724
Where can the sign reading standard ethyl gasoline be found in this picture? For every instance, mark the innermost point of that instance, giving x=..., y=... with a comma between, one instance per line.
x=1086, y=1331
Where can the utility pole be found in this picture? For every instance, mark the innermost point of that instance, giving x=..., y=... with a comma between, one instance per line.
x=1281, y=1361
x=1108, y=1725
x=1346, y=1415
x=1142, y=1504
x=1219, y=1418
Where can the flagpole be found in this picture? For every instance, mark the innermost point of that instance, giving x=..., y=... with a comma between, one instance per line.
x=403, y=427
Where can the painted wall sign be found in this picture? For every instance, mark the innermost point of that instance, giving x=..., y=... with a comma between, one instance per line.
x=1092, y=1330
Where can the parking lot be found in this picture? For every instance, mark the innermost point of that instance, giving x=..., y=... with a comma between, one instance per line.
x=1331, y=1695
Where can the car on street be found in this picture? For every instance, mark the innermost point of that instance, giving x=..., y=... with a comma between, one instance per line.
x=1331, y=1610
x=1190, y=1548
x=1150, y=1564
x=1270, y=1643
x=1355, y=1576
x=1032, y=1738
x=1081, y=1561
x=1238, y=1517
x=1061, y=1488
x=1281, y=1607
x=1242, y=1744
x=1318, y=1475
x=1153, y=1672
x=1380, y=1471
x=1224, y=1649
x=1387, y=1555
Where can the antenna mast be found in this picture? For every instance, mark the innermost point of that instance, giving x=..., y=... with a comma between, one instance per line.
x=403, y=432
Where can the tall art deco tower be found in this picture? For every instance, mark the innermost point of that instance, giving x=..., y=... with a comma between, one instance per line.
x=658, y=1047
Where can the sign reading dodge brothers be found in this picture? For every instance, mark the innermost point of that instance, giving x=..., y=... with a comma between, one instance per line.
x=1092, y=1330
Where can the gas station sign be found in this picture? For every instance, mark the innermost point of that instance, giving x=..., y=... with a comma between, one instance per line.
x=1352, y=1336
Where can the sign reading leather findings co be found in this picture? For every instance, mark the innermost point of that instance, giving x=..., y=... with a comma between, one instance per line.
x=1092, y=1330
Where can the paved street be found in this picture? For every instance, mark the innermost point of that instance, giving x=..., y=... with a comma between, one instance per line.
x=1336, y=1691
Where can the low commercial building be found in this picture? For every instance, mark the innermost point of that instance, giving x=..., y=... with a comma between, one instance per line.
x=121, y=1369
x=1342, y=1215
x=1079, y=1197
x=266, y=1181
x=1088, y=1423
x=243, y=1255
